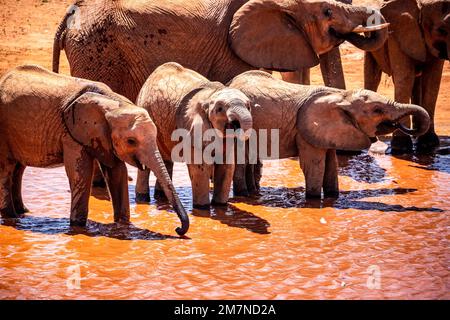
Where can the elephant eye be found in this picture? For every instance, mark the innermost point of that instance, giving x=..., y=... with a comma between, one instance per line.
x=132, y=142
x=328, y=13
x=219, y=109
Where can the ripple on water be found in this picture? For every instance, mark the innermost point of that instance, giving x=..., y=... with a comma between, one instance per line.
x=392, y=215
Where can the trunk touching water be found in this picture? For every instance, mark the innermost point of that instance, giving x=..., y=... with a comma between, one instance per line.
x=377, y=34
x=156, y=165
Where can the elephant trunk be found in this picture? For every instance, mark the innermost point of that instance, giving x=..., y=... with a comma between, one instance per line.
x=240, y=117
x=366, y=19
x=421, y=120
x=156, y=164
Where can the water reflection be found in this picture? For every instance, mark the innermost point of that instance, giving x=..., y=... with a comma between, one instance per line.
x=362, y=167
x=234, y=217
x=54, y=226
x=295, y=198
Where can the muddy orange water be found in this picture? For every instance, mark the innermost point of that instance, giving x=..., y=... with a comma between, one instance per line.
x=387, y=236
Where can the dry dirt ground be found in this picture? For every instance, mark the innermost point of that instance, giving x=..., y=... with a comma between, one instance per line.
x=26, y=36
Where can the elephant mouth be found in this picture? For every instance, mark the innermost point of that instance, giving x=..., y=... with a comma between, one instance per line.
x=138, y=164
x=233, y=125
x=336, y=35
x=390, y=126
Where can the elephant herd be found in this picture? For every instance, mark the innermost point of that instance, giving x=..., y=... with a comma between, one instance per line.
x=140, y=70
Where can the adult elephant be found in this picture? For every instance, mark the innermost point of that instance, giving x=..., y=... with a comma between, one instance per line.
x=121, y=43
x=330, y=66
x=414, y=55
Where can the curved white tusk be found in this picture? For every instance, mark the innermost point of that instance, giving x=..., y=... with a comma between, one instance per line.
x=361, y=28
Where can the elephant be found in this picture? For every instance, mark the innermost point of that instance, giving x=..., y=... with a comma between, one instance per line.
x=122, y=43
x=180, y=98
x=47, y=119
x=314, y=121
x=330, y=66
x=414, y=56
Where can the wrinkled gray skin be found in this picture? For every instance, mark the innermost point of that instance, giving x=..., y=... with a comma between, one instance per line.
x=121, y=43
x=314, y=122
x=47, y=119
x=179, y=98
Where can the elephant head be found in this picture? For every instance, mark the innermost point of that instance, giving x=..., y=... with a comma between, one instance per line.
x=216, y=107
x=418, y=25
x=350, y=120
x=278, y=35
x=113, y=129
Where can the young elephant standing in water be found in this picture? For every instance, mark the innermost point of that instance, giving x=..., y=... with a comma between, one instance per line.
x=314, y=122
x=179, y=98
x=47, y=119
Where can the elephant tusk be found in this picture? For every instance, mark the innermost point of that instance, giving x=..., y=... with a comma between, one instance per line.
x=361, y=28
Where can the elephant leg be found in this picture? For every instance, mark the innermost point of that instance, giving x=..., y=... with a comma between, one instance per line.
x=330, y=179
x=200, y=175
x=7, y=209
x=431, y=80
x=258, y=175
x=312, y=161
x=372, y=72
x=98, y=181
x=79, y=167
x=403, y=73
x=331, y=68
x=17, y=189
x=223, y=176
x=240, y=181
x=159, y=192
x=142, y=186
x=250, y=178
x=117, y=182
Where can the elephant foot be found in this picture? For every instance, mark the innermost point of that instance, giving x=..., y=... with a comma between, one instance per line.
x=159, y=195
x=8, y=214
x=240, y=193
x=99, y=183
x=22, y=211
x=401, y=144
x=219, y=204
x=142, y=197
x=333, y=194
x=201, y=206
x=427, y=143
x=313, y=195
x=78, y=223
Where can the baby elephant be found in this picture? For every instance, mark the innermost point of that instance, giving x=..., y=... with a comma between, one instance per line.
x=179, y=98
x=315, y=121
x=47, y=119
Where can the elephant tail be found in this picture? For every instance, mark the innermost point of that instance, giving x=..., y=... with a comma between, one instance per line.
x=58, y=42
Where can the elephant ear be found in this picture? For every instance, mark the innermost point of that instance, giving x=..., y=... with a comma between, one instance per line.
x=403, y=16
x=192, y=112
x=325, y=122
x=265, y=36
x=85, y=121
